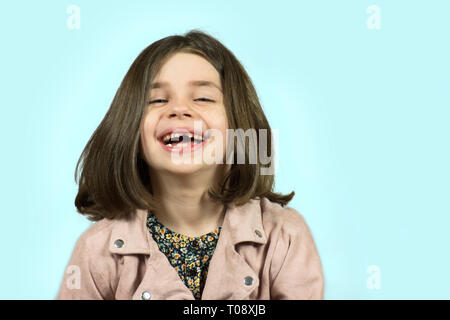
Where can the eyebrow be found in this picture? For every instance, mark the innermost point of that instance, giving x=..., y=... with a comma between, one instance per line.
x=194, y=83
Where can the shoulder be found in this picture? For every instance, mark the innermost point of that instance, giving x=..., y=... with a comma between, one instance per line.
x=295, y=266
x=97, y=236
x=91, y=259
x=102, y=237
x=281, y=218
x=98, y=230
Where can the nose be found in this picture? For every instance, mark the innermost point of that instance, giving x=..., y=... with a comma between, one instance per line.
x=179, y=111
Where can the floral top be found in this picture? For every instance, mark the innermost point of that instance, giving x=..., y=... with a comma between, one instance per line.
x=189, y=256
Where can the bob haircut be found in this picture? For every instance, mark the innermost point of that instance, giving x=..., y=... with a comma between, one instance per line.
x=114, y=179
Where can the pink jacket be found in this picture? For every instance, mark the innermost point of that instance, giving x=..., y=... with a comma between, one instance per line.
x=264, y=252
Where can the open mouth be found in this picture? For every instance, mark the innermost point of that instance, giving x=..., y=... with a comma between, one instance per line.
x=185, y=138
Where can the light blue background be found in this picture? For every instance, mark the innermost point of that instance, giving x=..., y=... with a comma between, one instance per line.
x=362, y=117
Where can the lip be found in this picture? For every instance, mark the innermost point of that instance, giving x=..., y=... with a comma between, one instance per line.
x=181, y=130
x=183, y=148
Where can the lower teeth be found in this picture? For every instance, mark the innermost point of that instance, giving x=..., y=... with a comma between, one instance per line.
x=184, y=143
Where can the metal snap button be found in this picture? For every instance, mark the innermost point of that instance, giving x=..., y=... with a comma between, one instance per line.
x=258, y=233
x=248, y=281
x=118, y=243
x=146, y=295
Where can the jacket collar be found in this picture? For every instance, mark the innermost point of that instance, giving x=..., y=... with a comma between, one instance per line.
x=242, y=224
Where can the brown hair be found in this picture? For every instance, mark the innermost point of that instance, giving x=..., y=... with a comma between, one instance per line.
x=115, y=180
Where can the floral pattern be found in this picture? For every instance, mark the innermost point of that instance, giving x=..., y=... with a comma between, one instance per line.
x=190, y=256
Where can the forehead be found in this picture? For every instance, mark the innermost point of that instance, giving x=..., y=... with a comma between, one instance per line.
x=187, y=69
x=191, y=83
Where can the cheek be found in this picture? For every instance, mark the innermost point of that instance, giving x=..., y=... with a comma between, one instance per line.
x=219, y=121
x=148, y=132
x=221, y=125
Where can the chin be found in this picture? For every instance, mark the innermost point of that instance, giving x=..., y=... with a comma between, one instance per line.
x=184, y=169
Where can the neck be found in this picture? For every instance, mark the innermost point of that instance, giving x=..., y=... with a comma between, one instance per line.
x=186, y=207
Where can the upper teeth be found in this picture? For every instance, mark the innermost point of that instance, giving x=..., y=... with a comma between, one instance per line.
x=176, y=136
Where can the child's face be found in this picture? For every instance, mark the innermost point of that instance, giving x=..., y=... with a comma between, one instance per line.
x=179, y=103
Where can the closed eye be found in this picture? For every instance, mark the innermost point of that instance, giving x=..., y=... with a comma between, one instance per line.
x=163, y=100
x=205, y=99
x=157, y=100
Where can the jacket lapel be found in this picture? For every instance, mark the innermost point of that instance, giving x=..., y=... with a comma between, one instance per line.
x=160, y=278
x=133, y=233
x=228, y=269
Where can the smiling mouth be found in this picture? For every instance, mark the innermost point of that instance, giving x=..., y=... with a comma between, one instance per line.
x=184, y=139
x=174, y=139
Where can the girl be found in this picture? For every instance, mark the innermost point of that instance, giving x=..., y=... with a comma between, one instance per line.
x=170, y=229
